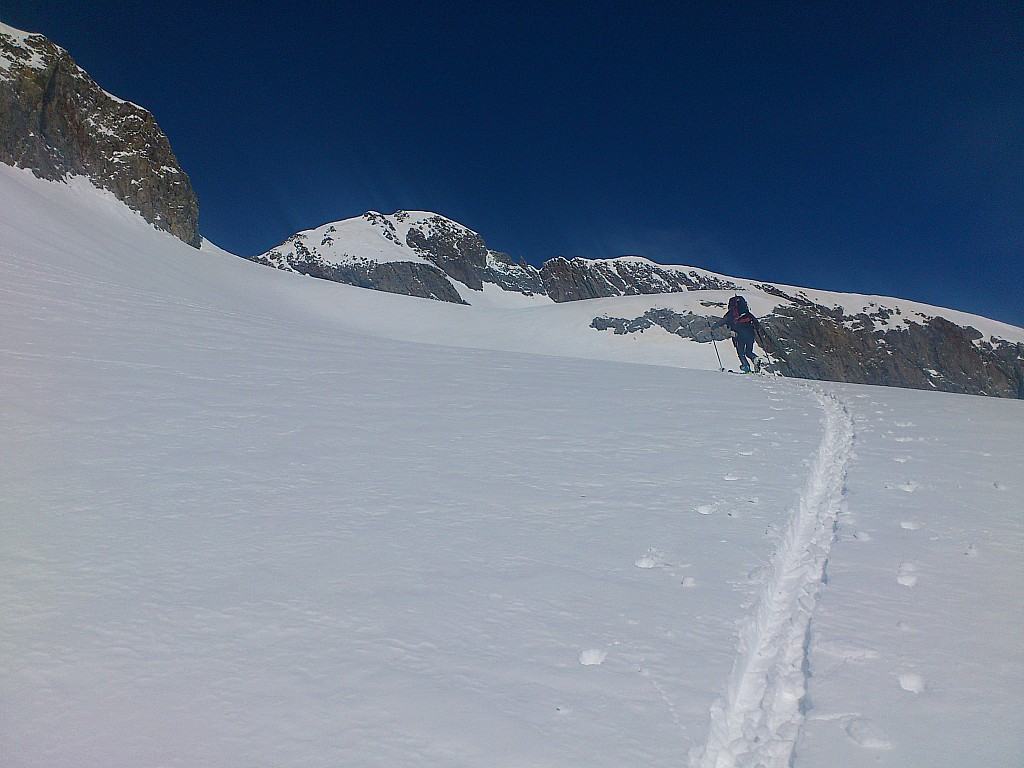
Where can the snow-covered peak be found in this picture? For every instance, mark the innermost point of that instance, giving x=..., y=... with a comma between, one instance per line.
x=374, y=236
x=370, y=237
x=417, y=252
x=20, y=48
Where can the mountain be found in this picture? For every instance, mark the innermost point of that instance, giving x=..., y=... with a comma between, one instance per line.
x=414, y=253
x=810, y=334
x=255, y=519
x=56, y=121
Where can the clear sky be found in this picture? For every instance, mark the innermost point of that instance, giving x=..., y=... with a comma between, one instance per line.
x=857, y=146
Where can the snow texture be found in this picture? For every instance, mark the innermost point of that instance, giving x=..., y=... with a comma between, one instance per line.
x=758, y=720
x=255, y=519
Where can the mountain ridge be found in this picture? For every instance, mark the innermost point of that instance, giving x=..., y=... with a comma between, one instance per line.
x=57, y=122
x=808, y=333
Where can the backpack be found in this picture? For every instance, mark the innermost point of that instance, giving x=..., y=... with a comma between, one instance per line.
x=739, y=304
x=739, y=312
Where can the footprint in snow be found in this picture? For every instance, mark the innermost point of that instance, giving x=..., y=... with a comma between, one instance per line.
x=999, y=486
x=653, y=559
x=906, y=575
x=910, y=525
x=705, y=509
x=689, y=582
x=971, y=551
x=901, y=459
x=866, y=734
x=730, y=477
x=912, y=682
x=593, y=657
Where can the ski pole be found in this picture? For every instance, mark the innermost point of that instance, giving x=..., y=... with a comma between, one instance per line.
x=720, y=366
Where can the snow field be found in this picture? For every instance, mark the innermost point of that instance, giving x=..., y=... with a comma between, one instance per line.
x=245, y=523
x=914, y=627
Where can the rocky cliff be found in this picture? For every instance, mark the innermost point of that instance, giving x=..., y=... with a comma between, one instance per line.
x=575, y=279
x=56, y=121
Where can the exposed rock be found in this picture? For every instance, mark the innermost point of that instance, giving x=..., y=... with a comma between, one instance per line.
x=411, y=252
x=930, y=353
x=57, y=122
x=458, y=251
x=575, y=279
x=424, y=281
x=687, y=326
x=813, y=342
x=510, y=275
x=464, y=256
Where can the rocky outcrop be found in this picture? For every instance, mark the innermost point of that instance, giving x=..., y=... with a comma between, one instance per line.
x=425, y=281
x=814, y=342
x=511, y=275
x=56, y=121
x=456, y=250
x=464, y=256
x=928, y=353
x=687, y=326
x=575, y=279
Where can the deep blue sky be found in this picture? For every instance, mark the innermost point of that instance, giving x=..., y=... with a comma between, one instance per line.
x=859, y=146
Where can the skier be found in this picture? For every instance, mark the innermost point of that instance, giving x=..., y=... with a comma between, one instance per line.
x=744, y=326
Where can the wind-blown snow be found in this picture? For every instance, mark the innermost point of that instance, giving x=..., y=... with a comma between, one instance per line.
x=255, y=519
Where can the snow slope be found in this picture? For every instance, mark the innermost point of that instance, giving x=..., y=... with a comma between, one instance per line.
x=375, y=238
x=251, y=518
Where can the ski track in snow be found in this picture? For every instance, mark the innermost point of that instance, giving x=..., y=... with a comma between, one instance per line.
x=756, y=722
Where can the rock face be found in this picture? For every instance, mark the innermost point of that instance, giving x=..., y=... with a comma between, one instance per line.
x=575, y=279
x=56, y=121
x=810, y=341
x=928, y=353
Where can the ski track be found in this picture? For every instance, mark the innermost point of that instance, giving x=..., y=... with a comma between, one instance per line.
x=756, y=722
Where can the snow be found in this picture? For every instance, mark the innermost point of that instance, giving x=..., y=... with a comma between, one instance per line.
x=362, y=239
x=372, y=237
x=494, y=297
x=255, y=519
x=18, y=40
